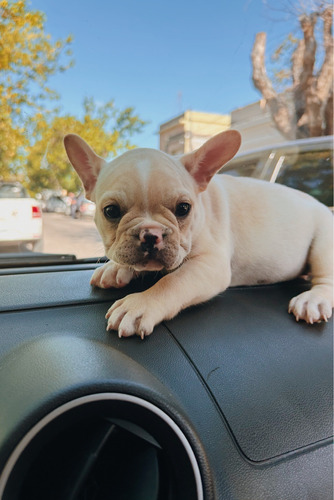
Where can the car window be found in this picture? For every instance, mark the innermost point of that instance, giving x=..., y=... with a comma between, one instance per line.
x=12, y=191
x=311, y=172
x=241, y=168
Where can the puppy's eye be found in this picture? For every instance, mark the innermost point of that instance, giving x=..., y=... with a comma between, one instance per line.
x=112, y=212
x=182, y=209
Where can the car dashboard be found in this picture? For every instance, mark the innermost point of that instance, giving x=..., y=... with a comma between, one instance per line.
x=232, y=399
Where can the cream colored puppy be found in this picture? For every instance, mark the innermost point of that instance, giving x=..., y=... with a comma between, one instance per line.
x=161, y=213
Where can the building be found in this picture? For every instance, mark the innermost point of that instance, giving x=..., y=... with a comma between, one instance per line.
x=256, y=126
x=190, y=130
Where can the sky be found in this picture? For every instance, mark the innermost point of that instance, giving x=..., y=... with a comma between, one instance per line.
x=161, y=57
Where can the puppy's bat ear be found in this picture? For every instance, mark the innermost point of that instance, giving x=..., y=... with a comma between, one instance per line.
x=85, y=161
x=203, y=163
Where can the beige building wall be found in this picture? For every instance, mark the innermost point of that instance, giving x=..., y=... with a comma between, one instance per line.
x=255, y=124
x=190, y=130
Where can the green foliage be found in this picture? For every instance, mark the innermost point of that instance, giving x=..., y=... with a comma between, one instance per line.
x=31, y=133
x=27, y=59
x=105, y=127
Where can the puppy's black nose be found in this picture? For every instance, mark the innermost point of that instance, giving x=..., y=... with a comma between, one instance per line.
x=149, y=241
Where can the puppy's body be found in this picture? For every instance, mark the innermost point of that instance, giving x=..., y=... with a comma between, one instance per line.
x=159, y=213
x=268, y=243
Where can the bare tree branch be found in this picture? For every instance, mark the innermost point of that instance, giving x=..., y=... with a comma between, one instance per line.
x=297, y=62
x=278, y=107
x=260, y=77
x=329, y=115
x=325, y=78
x=318, y=88
x=310, y=112
x=307, y=24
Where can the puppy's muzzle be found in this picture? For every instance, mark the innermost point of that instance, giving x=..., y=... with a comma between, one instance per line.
x=151, y=239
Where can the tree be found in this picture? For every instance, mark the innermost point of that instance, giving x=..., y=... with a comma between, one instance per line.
x=31, y=133
x=105, y=127
x=305, y=109
x=27, y=59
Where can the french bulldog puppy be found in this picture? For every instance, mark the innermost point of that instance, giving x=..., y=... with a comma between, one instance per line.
x=205, y=233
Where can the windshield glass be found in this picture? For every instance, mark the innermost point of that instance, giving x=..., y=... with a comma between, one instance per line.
x=152, y=75
x=311, y=172
x=12, y=191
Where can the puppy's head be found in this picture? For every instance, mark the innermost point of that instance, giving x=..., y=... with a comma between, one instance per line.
x=147, y=202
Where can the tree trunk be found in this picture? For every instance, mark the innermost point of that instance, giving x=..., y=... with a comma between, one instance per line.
x=329, y=116
x=277, y=104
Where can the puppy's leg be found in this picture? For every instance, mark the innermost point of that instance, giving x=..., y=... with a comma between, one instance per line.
x=316, y=304
x=197, y=280
x=111, y=275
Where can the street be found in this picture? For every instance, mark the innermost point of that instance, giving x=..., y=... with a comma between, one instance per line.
x=63, y=234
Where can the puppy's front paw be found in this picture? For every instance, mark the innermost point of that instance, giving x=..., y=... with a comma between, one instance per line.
x=311, y=307
x=111, y=275
x=133, y=315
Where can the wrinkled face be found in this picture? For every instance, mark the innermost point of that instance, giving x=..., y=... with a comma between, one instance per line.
x=145, y=210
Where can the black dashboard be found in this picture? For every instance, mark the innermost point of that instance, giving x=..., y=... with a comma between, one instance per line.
x=230, y=400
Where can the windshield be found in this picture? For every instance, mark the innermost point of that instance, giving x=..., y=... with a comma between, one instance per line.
x=153, y=75
x=311, y=172
x=12, y=191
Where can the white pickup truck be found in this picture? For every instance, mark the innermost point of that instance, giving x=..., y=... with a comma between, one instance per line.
x=21, y=225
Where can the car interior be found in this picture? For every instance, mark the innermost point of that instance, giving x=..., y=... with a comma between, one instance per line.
x=215, y=404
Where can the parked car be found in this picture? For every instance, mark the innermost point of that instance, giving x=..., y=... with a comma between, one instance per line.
x=81, y=207
x=306, y=164
x=57, y=205
x=21, y=222
x=87, y=208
